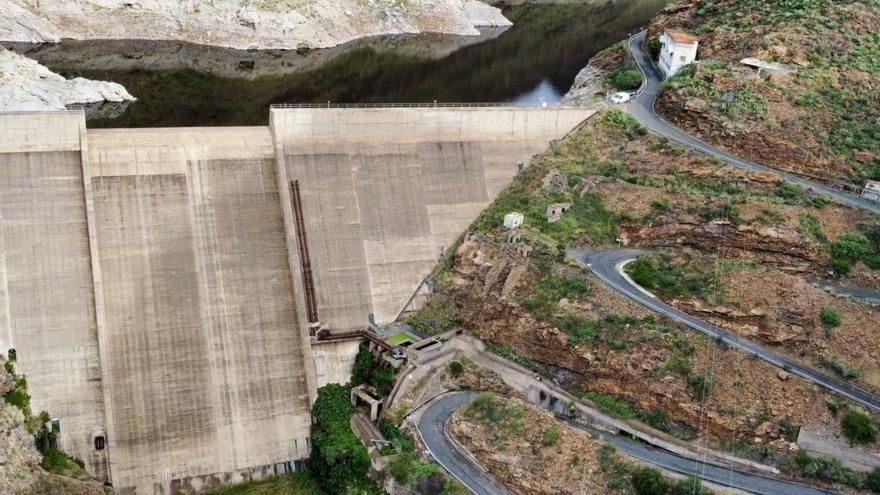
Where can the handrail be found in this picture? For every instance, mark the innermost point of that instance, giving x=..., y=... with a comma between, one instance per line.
x=418, y=105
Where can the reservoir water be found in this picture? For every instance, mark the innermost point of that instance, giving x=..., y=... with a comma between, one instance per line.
x=180, y=84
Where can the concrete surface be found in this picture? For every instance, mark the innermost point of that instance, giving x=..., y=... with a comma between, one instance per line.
x=334, y=360
x=207, y=367
x=384, y=189
x=47, y=311
x=146, y=281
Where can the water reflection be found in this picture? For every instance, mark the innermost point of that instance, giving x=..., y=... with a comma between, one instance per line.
x=186, y=85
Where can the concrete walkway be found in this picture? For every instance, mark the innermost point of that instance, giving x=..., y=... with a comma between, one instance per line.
x=642, y=108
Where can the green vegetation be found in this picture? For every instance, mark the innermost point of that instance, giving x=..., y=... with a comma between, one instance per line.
x=830, y=317
x=859, y=427
x=811, y=228
x=550, y=436
x=456, y=368
x=700, y=386
x=294, y=484
x=612, y=329
x=438, y=316
x=505, y=418
x=628, y=478
x=828, y=469
x=608, y=404
x=550, y=289
x=517, y=357
x=657, y=273
x=372, y=371
x=339, y=462
x=840, y=111
x=840, y=367
x=852, y=247
x=625, y=78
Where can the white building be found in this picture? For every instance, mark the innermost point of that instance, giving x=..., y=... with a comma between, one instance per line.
x=513, y=220
x=679, y=49
x=871, y=190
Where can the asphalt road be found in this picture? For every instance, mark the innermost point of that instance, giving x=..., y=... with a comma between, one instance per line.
x=642, y=108
x=430, y=428
x=863, y=294
x=604, y=265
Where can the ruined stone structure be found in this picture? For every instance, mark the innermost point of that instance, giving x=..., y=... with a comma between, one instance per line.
x=151, y=284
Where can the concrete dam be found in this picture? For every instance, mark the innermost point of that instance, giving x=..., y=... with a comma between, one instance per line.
x=151, y=280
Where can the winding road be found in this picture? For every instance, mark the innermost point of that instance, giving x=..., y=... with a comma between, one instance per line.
x=642, y=108
x=608, y=265
x=430, y=428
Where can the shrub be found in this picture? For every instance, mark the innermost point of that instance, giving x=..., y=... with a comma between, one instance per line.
x=550, y=289
x=811, y=228
x=789, y=191
x=648, y=481
x=859, y=427
x=456, y=368
x=839, y=366
x=701, y=387
x=830, y=317
x=852, y=247
x=789, y=429
x=689, y=486
x=438, y=316
x=872, y=482
x=654, y=47
x=841, y=266
x=338, y=460
x=550, y=436
x=625, y=79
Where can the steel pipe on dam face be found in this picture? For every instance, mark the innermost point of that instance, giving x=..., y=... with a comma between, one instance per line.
x=151, y=284
x=384, y=190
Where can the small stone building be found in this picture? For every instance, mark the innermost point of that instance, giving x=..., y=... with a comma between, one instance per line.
x=872, y=190
x=513, y=220
x=555, y=211
x=679, y=49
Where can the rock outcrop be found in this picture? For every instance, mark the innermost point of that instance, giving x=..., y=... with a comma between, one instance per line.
x=284, y=24
x=25, y=85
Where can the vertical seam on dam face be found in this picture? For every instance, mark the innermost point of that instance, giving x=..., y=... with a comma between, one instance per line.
x=163, y=297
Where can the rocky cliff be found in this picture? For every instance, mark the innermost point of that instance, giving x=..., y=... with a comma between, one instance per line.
x=244, y=24
x=21, y=472
x=25, y=85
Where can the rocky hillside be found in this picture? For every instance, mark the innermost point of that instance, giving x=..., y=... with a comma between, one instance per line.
x=733, y=247
x=25, y=85
x=23, y=469
x=821, y=120
x=243, y=24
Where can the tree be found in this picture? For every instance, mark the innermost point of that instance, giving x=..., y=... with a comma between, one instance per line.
x=830, y=317
x=859, y=427
x=338, y=460
x=851, y=247
x=873, y=481
x=647, y=481
x=456, y=368
x=689, y=486
x=363, y=366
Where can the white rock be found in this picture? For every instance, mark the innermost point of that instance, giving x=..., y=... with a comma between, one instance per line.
x=240, y=24
x=27, y=85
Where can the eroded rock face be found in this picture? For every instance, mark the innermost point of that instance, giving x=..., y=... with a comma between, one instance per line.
x=25, y=85
x=286, y=24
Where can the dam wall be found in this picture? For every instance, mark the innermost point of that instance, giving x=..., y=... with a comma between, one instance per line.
x=152, y=285
x=207, y=368
x=386, y=190
x=47, y=307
